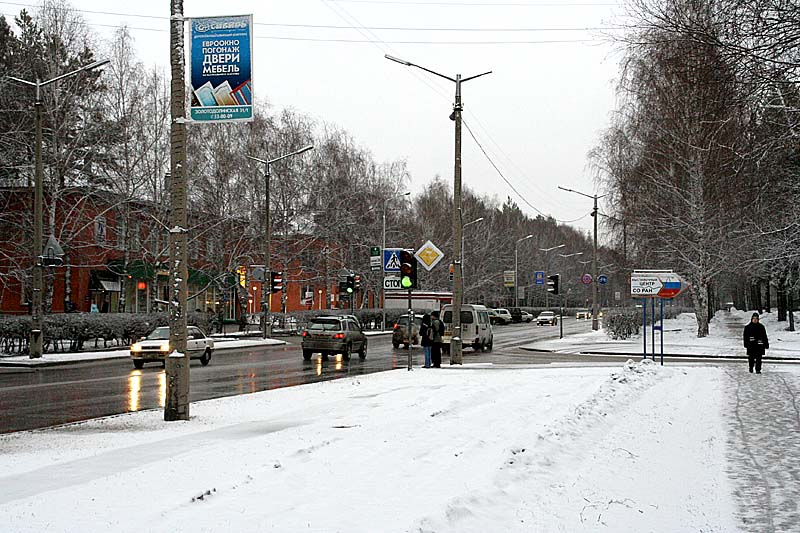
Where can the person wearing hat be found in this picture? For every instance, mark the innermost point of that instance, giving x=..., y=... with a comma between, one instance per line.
x=756, y=342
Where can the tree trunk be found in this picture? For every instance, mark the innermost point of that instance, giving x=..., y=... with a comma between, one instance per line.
x=768, y=293
x=700, y=301
x=781, y=296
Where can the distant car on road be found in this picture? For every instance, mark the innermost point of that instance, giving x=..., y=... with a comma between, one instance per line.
x=583, y=314
x=156, y=347
x=501, y=316
x=526, y=317
x=334, y=334
x=400, y=331
x=547, y=317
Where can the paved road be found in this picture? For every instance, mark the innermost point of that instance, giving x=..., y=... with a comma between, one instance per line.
x=42, y=397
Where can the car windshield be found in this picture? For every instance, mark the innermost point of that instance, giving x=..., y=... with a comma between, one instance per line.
x=403, y=320
x=324, y=325
x=547, y=313
x=159, y=334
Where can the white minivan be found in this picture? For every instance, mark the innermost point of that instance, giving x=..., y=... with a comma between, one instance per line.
x=476, y=329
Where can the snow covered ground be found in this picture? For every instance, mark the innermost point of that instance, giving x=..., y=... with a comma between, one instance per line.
x=680, y=337
x=634, y=447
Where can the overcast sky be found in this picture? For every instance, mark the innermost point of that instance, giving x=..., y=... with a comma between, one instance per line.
x=537, y=115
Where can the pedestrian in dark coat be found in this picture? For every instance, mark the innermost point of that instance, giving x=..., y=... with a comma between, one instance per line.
x=756, y=342
x=426, y=338
x=438, y=332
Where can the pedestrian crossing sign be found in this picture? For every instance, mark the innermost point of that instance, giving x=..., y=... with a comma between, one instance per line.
x=391, y=259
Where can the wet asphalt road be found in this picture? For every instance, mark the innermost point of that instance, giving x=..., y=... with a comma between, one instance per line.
x=34, y=398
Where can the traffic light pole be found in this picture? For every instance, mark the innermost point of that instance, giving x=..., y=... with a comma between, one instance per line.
x=410, y=330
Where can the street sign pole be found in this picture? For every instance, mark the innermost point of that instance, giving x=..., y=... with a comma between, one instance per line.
x=644, y=328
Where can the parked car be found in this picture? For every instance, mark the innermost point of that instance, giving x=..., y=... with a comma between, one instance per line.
x=516, y=314
x=476, y=328
x=156, y=347
x=547, y=317
x=503, y=316
x=334, y=334
x=526, y=317
x=400, y=331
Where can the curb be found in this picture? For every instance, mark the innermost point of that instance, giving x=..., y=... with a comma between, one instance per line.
x=639, y=354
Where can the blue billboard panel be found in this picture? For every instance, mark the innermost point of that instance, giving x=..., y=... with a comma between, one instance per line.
x=221, y=69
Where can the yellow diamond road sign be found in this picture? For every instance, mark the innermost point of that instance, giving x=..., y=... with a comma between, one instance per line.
x=429, y=255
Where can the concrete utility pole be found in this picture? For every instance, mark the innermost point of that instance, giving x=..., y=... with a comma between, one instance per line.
x=595, y=322
x=456, y=357
x=176, y=406
x=36, y=341
x=266, y=285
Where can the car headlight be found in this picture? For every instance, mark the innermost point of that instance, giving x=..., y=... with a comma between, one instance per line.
x=136, y=347
x=164, y=347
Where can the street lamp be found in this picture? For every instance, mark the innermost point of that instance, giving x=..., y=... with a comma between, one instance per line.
x=595, y=324
x=463, y=270
x=458, y=286
x=383, y=247
x=516, y=274
x=266, y=285
x=547, y=260
x=37, y=322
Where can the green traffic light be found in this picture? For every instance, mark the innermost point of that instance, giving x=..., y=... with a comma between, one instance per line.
x=349, y=290
x=406, y=282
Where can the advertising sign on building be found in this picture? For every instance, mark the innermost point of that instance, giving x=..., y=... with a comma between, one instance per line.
x=221, y=69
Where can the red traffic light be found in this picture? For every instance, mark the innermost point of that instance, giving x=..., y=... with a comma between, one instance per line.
x=406, y=262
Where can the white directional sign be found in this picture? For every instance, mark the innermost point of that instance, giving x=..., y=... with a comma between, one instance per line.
x=656, y=284
x=392, y=283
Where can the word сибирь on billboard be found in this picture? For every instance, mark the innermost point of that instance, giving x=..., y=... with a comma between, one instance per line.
x=221, y=70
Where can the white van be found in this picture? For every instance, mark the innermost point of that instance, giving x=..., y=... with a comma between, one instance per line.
x=476, y=329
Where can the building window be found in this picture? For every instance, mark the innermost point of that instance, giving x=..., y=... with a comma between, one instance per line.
x=100, y=230
x=135, y=236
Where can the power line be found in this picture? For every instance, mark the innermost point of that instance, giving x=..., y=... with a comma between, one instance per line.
x=480, y=4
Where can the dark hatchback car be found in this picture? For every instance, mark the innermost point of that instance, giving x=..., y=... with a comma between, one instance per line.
x=334, y=334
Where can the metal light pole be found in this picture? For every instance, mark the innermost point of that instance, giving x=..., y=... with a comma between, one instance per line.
x=456, y=356
x=547, y=260
x=516, y=274
x=463, y=268
x=266, y=285
x=383, y=247
x=595, y=197
x=37, y=320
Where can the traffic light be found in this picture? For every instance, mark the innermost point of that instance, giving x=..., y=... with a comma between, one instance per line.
x=351, y=284
x=408, y=270
x=357, y=283
x=276, y=281
x=552, y=283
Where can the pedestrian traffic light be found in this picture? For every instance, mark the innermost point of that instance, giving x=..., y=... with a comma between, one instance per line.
x=276, y=284
x=357, y=283
x=351, y=284
x=552, y=283
x=408, y=269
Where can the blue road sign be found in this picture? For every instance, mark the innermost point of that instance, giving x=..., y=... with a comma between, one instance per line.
x=602, y=279
x=391, y=259
x=538, y=277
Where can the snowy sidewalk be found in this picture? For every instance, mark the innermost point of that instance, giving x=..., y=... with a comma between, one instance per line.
x=635, y=447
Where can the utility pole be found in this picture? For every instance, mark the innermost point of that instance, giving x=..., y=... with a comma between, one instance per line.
x=595, y=197
x=36, y=341
x=456, y=356
x=266, y=287
x=176, y=406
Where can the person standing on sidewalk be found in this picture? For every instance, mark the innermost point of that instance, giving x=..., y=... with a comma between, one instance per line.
x=756, y=342
x=438, y=332
x=426, y=338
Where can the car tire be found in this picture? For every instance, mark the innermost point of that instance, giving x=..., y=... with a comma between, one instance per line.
x=405, y=346
x=490, y=345
x=206, y=357
x=362, y=353
x=346, y=351
x=395, y=345
x=307, y=355
x=138, y=364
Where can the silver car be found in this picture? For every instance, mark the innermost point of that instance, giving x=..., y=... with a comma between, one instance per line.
x=156, y=347
x=334, y=334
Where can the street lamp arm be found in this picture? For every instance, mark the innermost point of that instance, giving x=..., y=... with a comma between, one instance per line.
x=84, y=68
x=410, y=64
x=475, y=76
x=26, y=82
x=296, y=152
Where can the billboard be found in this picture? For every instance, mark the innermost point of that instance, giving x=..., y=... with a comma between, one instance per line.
x=221, y=69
